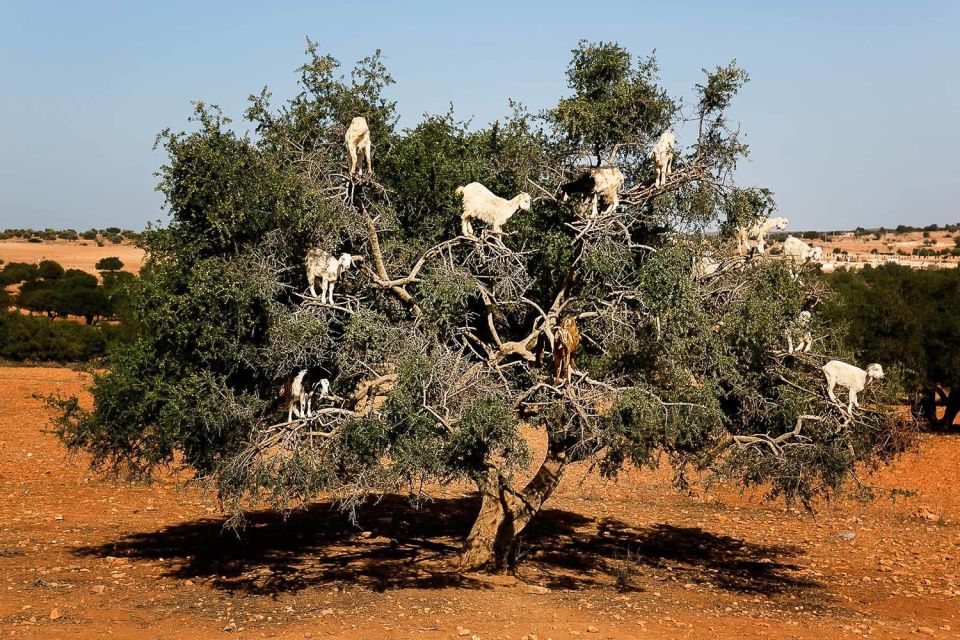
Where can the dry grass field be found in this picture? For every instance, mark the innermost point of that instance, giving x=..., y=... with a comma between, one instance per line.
x=79, y=254
x=860, y=250
x=84, y=556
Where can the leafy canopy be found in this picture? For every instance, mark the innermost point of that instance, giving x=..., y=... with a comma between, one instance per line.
x=439, y=347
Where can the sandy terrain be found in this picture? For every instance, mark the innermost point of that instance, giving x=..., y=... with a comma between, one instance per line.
x=83, y=556
x=81, y=254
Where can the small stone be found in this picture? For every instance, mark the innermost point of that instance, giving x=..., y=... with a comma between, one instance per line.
x=54, y=613
x=189, y=583
x=59, y=516
x=462, y=632
x=846, y=535
x=326, y=612
x=925, y=631
x=538, y=589
x=99, y=589
x=230, y=627
x=592, y=629
x=366, y=534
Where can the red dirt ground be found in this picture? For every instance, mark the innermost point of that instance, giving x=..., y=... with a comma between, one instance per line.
x=83, y=556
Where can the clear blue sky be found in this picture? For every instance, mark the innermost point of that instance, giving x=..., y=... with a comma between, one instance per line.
x=852, y=111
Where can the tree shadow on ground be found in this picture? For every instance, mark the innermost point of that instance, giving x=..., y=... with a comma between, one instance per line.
x=682, y=554
x=394, y=545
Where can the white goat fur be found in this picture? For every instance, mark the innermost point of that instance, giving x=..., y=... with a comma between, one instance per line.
x=298, y=395
x=705, y=266
x=606, y=183
x=758, y=231
x=663, y=154
x=799, y=252
x=320, y=264
x=357, y=140
x=479, y=203
x=802, y=328
x=854, y=379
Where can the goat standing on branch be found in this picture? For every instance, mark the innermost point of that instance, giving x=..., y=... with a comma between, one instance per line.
x=663, y=153
x=479, y=203
x=298, y=393
x=853, y=378
x=357, y=140
x=799, y=252
x=758, y=231
x=567, y=342
x=320, y=264
x=597, y=182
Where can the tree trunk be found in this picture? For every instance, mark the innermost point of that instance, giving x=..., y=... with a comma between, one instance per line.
x=504, y=513
x=950, y=411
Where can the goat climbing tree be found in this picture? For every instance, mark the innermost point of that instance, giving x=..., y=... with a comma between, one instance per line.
x=446, y=354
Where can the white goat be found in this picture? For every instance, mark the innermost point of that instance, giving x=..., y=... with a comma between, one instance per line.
x=320, y=264
x=357, y=140
x=298, y=394
x=853, y=378
x=705, y=266
x=663, y=154
x=597, y=182
x=799, y=252
x=800, y=328
x=479, y=203
x=758, y=231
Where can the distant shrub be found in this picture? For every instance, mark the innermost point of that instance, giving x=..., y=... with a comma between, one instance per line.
x=35, y=239
x=89, y=234
x=32, y=338
x=116, y=238
x=110, y=264
x=69, y=234
x=112, y=231
x=15, y=272
x=50, y=270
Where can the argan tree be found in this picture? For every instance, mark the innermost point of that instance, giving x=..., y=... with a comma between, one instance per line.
x=446, y=354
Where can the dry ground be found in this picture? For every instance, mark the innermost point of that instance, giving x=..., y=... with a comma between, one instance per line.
x=83, y=556
x=71, y=254
x=859, y=249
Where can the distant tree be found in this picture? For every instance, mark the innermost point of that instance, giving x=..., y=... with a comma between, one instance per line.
x=50, y=270
x=116, y=238
x=110, y=264
x=14, y=272
x=445, y=352
x=112, y=231
x=89, y=234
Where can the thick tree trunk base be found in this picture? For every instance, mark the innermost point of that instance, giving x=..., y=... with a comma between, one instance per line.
x=491, y=545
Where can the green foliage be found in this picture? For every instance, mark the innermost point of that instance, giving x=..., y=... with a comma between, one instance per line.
x=110, y=264
x=39, y=339
x=50, y=270
x=14, y=272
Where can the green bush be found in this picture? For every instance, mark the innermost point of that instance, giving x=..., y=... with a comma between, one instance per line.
x=110, y=264
x=15, y=272
x=89, y=234
x=50, y=270
x=32, y=338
